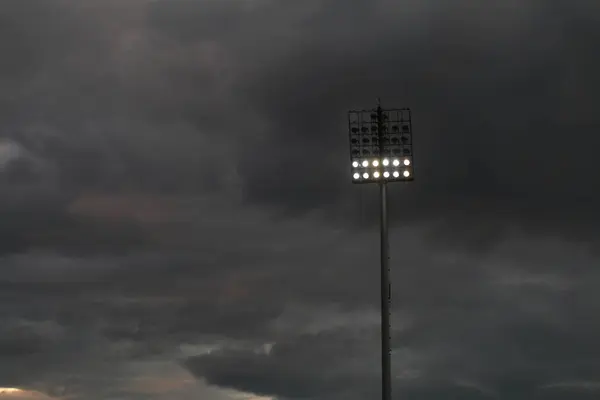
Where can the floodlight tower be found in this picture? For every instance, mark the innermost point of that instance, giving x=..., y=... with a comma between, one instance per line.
x=381, y=152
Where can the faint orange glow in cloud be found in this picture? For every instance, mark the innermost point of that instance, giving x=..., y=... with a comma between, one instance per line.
x=7, y=393
x=139, y=207
x=9, y=390
x=157, y=385
x=246, y=396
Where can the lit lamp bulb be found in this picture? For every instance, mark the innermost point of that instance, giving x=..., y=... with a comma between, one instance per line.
x=375, y=163
x=356, y=175
x=396, y=174
x=355, y=164
x=366, y=175
x=386, y=162
x=396, y=163
x=365, y=163
x=376, y=174
x=406, y=162
x=386, y=174
x=406, y=174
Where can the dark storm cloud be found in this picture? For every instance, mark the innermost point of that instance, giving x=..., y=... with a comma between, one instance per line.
x=109, y=104
x=504, y=333
x=494, y=91
x=501, y=92
x=82, y=115
x=152, y=152
x=40, y=218
x=125, y=308
x=309, y=367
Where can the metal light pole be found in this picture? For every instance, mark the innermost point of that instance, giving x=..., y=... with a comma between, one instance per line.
x=380, y=155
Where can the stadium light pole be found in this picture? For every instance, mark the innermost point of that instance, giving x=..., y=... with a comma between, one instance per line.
x=381, y=152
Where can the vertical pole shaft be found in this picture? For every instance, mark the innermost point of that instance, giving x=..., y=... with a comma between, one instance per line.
x=386, y=374
x=386, y=379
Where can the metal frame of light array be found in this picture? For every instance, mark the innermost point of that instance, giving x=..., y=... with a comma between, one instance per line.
x=395, y=164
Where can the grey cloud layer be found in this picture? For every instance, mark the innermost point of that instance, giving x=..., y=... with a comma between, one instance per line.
x=174, y=172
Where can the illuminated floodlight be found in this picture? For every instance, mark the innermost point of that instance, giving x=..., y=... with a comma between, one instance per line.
x=383, y=140
x=380, y=146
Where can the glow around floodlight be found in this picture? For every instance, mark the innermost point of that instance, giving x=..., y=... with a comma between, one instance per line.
x=386, y=174
x=375, y=163
x=366, y=175
x=406, y=174
x=406, y=162
x=376, y=174
x=365, y=163
x=396, y=174
x=396, y=162
x=385, y=162
x=355, y=164
x=356, y=175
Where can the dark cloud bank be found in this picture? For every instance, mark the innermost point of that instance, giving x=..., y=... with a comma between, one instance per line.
x=176, y=212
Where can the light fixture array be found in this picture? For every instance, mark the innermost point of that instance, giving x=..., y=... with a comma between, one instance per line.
x=386, y=169
x=380, y=145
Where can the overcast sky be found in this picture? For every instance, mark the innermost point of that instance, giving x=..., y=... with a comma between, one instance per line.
x=177, y=218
